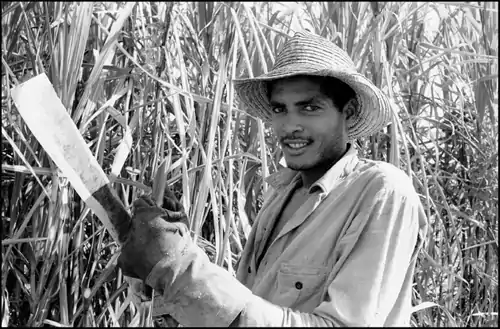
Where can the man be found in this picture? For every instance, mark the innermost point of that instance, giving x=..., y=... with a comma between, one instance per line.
x=336, y=240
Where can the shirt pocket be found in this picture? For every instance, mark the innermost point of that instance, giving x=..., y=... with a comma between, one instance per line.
x=299, y=284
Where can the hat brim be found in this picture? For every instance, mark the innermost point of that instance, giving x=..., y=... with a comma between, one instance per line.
x=373, y=112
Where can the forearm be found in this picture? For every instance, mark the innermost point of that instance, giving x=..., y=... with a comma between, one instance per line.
x=196, y=291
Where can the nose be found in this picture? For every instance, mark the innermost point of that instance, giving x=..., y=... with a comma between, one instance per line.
x=291, y=123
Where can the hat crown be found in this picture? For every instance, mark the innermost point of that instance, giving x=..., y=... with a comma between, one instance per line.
x=312, y=51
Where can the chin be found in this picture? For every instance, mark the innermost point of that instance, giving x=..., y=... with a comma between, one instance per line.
x=309, y=163
x=298, y=166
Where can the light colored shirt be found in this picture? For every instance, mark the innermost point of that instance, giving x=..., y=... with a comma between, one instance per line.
x=345, y=258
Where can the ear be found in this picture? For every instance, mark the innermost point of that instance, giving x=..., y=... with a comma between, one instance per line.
x=350, y=108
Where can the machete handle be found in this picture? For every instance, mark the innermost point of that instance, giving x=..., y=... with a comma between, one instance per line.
x=117, y=214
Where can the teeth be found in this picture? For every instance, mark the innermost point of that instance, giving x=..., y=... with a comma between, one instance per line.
x=297, y=145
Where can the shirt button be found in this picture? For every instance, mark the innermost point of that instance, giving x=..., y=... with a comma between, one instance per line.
x=298, y=285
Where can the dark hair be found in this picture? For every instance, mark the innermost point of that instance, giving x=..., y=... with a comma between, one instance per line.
x=338, y=91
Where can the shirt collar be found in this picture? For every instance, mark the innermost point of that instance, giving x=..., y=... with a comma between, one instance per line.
x=339, y=170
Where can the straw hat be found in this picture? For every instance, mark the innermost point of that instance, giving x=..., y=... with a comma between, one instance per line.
x=310, y=54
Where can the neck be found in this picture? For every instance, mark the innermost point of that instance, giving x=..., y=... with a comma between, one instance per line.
x=310, y=176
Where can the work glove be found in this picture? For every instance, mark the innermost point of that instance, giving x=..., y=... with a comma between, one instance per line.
x=160, y=251
x=155, y=233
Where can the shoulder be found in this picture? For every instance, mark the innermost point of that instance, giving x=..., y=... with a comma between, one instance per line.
x=385, y=177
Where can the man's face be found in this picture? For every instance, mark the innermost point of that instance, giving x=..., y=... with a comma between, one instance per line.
x=311, y=129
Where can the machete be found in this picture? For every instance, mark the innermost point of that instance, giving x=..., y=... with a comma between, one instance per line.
x=45, y=115
x=43, y=112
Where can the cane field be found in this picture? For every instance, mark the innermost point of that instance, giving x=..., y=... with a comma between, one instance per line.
x=149, y=86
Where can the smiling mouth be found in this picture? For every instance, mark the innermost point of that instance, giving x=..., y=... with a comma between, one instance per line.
x=296, y=145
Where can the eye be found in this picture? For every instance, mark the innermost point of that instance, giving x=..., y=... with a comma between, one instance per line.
x=310, y=108
x=278, y=109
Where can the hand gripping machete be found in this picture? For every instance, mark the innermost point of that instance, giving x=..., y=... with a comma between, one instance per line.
x=48, y=120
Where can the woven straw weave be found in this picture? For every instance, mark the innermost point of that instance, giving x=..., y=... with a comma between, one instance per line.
x=308, y=54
